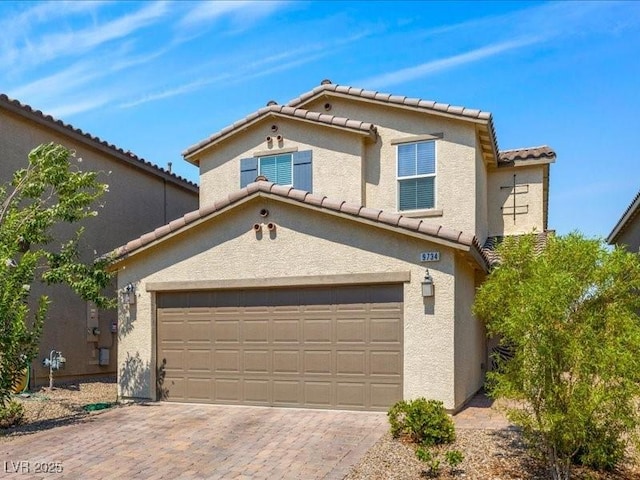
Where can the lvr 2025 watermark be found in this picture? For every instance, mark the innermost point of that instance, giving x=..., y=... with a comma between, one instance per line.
x=27, y=466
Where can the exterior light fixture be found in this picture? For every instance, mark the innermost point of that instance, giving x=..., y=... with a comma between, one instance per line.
x=129, y=294
x=427, y=285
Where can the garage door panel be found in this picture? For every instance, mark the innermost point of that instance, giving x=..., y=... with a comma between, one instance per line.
x=385, y=330
x=257, y=391
x=350, y=394
x=317, y=361
x=228, y=390
x=317, y=330
x=226, y=331
x=330, y=347
x=384, y=394
x=257, y=361
x=318, y=394
x=174, y=359
x=351, y=363
x=286, y=392
x=198, y=389
x=198, y=360
x=385, y=363
x=255, y=331
x=286, y=361
x=227, y=361
x=351, y=330
x=285, y=331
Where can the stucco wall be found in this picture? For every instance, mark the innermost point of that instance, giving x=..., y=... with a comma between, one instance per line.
x=470, y=349
x=482, y=200
x=305, y=243
x=630, y=236
x=456, y=187
x=336, y=162
x=529, y=200
x=136, y=203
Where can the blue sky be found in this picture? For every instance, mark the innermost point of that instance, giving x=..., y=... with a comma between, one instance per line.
x=157, y=77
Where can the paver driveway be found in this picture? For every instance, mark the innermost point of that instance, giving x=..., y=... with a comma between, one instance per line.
x=168, y=440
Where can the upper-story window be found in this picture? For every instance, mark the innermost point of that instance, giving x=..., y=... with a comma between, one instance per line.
x=286, y=168
x=416, y=175
x=278, y=168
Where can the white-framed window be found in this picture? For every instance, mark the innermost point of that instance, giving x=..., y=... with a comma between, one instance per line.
x=416, y=174
x=277, y=168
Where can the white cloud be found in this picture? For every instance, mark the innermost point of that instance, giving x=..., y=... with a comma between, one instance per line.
x=241, y=12
x=76, y=42
x=79, y=106
x=434, y=66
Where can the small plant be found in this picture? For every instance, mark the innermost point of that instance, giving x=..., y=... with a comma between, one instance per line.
x=432, y=462
x=11, y=414
x=454, y=458
x=425, y=422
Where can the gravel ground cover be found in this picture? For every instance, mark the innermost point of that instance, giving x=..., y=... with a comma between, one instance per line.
x=64, y=404
x=488, y=455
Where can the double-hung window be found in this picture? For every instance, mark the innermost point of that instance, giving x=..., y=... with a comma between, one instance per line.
x=416, y=175
x=278, y=168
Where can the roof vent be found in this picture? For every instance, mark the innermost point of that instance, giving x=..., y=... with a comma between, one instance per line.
x=326, y=81
x=271, y=102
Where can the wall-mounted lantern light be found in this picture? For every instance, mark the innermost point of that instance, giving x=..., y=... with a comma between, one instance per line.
x=129, y=294
x=427, y=285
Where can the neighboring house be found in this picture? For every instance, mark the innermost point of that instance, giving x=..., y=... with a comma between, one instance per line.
x=141, y=197
x=313, y=288
x=627, y=230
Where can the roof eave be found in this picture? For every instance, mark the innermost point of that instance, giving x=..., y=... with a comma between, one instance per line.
x=192, y=153
x=102, y=146
x=527, y=163
x=632, y=210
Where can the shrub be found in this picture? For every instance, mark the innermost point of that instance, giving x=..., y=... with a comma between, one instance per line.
x=432, y=462
x=454, y=458
x=424, y=421
x=11, y=414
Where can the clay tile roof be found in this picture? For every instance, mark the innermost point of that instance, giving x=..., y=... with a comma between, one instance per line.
x=491, y=244
x=458, y=111
x=79, y=135
x=389, y=98
x=531, y=153
x=365, y=128
x=625, y=219
x=370, y=214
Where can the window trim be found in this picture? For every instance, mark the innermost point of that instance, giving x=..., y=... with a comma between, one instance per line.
x=425, y=175
x=289, y=154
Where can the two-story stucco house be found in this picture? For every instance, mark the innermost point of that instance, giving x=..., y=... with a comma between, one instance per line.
x=141, y=197
x=333, y=260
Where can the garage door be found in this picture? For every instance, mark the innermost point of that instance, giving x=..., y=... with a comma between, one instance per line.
x=338, y=347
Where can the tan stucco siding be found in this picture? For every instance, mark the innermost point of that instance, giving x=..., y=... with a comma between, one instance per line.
x=482, y=214
x=304, y=243
x=136, y=203
x=470, y=346
x=455, y=159
x=336, y=162
x=529, y=200
x=630, y=236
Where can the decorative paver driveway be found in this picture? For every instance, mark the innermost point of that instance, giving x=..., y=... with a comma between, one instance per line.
x=167, y=440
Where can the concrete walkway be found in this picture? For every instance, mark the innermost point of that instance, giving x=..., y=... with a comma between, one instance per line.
x=184, y=441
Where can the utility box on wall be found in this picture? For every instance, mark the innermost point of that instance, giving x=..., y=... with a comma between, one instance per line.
x=103, y=356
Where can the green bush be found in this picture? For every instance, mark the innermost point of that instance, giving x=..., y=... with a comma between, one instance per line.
x=604, y=449
x=454, y=458
x=424, y=421
x=432, y=462
x=11, y=414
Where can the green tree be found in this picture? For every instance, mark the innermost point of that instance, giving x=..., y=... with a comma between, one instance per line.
x=570, y=314
x=49, y=192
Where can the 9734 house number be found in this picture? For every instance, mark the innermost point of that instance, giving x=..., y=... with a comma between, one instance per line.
x=430, y=256
x=27, y=466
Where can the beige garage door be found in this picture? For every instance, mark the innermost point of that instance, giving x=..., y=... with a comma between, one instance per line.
x=335, y=347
